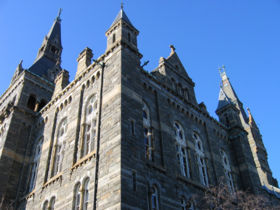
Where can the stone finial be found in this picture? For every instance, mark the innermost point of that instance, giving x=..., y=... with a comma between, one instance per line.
x=172, y=49
x=84, y=60
x=161, y=59
x=61, y=81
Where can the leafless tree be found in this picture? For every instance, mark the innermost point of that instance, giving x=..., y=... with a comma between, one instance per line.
x=221, y=198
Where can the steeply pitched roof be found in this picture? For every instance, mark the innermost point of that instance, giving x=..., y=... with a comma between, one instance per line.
x=54, y=34
x=123, y=16
x=224, y=100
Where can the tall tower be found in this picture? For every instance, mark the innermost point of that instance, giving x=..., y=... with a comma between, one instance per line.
x=231, y=113
x=29, y=91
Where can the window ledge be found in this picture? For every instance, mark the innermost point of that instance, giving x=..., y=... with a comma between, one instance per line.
x=188, y=181
x=153, y=165
x=55, y=178
x=83, y=160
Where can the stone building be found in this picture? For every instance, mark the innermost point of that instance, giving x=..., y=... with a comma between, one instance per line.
x=120, y=137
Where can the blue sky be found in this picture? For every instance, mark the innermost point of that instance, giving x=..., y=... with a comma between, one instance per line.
x=244, y=35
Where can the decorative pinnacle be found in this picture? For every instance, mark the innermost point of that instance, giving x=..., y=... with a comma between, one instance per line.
x=222, y=71
x=122, y=4
x=172, y=49
x=59, y=13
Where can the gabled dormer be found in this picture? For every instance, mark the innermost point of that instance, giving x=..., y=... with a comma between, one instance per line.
x=122, y=32
x=172, y=73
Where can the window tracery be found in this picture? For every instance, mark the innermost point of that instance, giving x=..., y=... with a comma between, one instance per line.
x=60, y=147
x=227, y=171
x=35, y=164
x=148, y=136
x=181, y=150
x=201, y=160
x=90, y=124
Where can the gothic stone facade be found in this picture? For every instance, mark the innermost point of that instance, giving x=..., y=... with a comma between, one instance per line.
x=119, y=137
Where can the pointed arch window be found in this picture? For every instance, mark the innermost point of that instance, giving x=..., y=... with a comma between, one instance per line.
x=154, y=200
x=148, y=137
x=60, y=147
x=81, y=195
x=35, y=164
x=89, y=126
x=181, y=150
x=45, y=205
x=77, y=197
x=52, y=202
x=227, y=171
x=31, y=103
x=85, y=194
x=202, y=168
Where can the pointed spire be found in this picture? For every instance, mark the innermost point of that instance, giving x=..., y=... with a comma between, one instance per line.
x=224, y=100
x=123, y=16
x=49, y=54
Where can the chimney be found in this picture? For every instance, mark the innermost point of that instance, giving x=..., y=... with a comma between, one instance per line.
x=61, y=81
x=84, y=60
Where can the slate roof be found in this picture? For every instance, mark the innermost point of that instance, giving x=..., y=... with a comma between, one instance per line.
x=122, y=15
x=224, y=100
x=41, y=66
x=55, y=31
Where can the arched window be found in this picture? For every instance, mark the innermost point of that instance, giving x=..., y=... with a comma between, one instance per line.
x=173, y=84
x=201, y=160
x=45, y=205
x=77, y=197
x=42, y=104
x=85, y=194
x=186, y=94
x=35, y=164
x=60, y=147
x=181, y=151
x=180, y=89
x=31, y=103
x=90, y=125
x=227, y=171
x=52, y=202
x=114, y=38
x=148, y=137
x=154, y=201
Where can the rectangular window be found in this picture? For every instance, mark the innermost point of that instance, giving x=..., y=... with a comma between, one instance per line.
x=132, y=127
x=134, y=184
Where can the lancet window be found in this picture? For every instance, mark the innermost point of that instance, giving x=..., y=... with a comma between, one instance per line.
x=148, y=136
x=60, y=147
x=154, y=198
x=81, y=195
x=89, y=126
x=200, y=155
x=227, y=171
x=35, y=164
x=181, y=150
